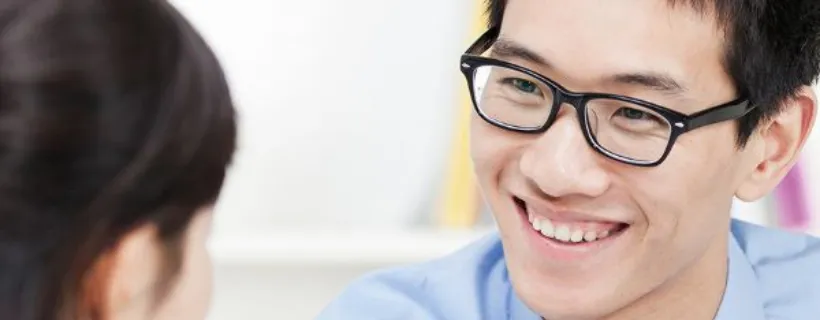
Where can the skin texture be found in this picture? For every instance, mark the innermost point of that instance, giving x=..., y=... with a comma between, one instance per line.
x=671, y=263
x=136, y=271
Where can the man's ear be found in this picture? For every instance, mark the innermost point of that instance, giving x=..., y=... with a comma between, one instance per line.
x=775, y=147
x=122, y=281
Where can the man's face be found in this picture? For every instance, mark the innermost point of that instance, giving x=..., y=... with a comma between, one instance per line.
x=648, y=226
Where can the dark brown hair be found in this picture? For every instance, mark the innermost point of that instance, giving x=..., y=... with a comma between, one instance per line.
x=114, y=114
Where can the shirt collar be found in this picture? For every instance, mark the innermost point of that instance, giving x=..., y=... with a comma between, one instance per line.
x=740, y=300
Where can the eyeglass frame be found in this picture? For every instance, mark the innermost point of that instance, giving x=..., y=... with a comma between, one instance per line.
x=680, y=123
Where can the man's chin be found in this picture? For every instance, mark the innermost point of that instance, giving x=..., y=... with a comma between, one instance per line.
x=583, y=296
x=560, y=303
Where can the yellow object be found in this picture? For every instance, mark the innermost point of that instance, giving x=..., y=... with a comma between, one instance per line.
x=461, y=197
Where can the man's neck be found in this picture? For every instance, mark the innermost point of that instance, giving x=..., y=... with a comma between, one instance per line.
x=695, y=294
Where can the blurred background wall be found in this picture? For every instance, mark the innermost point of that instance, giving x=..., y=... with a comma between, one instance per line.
x=349, y=120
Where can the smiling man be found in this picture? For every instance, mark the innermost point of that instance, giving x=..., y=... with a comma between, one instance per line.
x=610, y=138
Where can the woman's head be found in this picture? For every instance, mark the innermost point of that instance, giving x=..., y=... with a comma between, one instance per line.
x=116, y=126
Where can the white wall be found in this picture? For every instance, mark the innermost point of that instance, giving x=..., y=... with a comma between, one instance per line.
x=332, y=128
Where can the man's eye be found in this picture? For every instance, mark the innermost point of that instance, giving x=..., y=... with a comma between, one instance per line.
x=634, y=114
x=525, y=86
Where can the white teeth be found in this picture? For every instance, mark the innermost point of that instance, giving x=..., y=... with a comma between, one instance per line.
x=577, y=236
x=536, y=224
x=562, y=233
x=547, y=229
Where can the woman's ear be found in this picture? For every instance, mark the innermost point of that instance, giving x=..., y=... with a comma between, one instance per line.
x=122, y=281
x=778, y=143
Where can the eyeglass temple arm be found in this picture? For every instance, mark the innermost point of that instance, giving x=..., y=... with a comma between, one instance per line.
x=733, y=110
x=484, y=41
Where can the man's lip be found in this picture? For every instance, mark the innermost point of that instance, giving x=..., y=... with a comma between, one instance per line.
x=538, y=208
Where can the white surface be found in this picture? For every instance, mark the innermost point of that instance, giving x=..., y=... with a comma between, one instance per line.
x=278, y=292
x=339, y=247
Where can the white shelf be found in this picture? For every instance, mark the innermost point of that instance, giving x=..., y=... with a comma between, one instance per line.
x=338, y=247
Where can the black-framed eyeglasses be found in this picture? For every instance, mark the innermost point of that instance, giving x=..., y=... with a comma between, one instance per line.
x=623, y=128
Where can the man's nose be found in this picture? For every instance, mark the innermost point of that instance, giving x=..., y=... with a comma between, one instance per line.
x=561, y=163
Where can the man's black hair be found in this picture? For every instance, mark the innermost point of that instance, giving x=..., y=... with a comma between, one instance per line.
x=772, y=48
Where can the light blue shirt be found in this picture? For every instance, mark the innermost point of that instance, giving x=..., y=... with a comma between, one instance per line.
x=773, y=275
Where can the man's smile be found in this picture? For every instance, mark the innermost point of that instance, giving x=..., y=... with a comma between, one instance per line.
x=563, y=236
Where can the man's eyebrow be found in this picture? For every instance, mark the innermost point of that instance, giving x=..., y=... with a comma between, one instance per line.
x=655, y=81
x=504, y=48
x=507, y=49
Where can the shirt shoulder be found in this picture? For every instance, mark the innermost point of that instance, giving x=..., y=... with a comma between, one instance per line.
x=786, y=265
x=452, y=287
